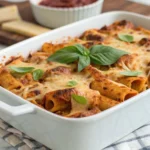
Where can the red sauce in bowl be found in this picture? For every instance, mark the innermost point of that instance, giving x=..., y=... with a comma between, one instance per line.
x=66, y=3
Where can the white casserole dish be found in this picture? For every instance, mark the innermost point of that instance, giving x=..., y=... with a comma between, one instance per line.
x=58, y=133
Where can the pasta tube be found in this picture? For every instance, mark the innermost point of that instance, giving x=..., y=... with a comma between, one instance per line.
x=58, y=100
x=8, y=81
x=136, y=83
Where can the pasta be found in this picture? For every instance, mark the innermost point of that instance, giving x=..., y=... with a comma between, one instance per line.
x=8, y=81
x=83, y=83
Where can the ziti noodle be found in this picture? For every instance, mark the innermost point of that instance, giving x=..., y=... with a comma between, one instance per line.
x=86, y=75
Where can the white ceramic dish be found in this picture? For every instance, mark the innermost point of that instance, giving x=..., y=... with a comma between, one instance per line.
x=56, y=17
x=59, y=133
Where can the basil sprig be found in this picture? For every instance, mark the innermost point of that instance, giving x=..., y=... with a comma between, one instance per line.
x=105, y=55
x=79, y=99
x=98, y=54
x=68, y=54
x=131, y=73
x=126, y=37
x=21, y=70
x=37, y=74
x=72, y=83
x=84, y=61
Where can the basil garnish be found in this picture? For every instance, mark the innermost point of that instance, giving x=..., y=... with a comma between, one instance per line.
x=126, y=37
x=37, y=74
x=131, y=73
x=67, y=54
x=79, y=99
x=83, y=50
x=21, y=69
x=98, y=54
x=105, y=55
x=72, y=83
x=84, y=61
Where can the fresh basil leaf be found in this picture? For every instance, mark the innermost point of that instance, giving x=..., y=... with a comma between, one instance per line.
x=72, y=83
x=79, y=99
x=105, y=55
x=37, y=74
x=84, y=61
x=126, y=37
x=131, y=73
x=82, y=50
x=21, y=69
x=68, y=54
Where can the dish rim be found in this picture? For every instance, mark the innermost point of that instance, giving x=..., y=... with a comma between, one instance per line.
x=84, y=119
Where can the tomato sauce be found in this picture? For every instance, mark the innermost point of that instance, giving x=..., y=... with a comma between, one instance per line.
x=66, y=3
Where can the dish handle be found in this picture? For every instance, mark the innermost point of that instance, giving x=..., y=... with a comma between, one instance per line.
x=16, y=110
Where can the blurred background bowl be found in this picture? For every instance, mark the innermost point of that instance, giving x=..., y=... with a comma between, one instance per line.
x=56, y=17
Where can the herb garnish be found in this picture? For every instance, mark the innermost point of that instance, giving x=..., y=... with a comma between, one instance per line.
x=105, y=55
x=79, y=99
x=72, y=83
x=131, y=73
x=21, y=70
x=37, y=74
x=126, y=37
x=98, y=54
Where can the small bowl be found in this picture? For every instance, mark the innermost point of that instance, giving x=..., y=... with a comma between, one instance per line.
x=56, y=17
